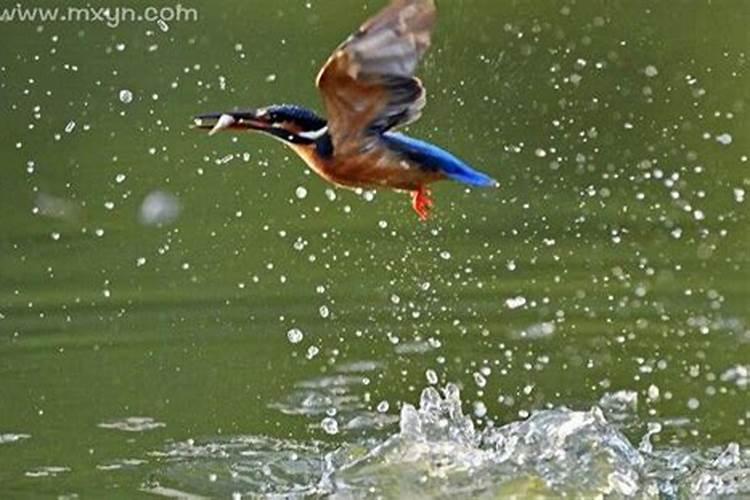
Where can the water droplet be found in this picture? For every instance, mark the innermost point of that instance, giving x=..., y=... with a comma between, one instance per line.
x=159, y=207
x=329, y=425
x=653, y=392
x=651, y=71
x=295, y=335
x=515, y=302
x=480, y=409
x=725, y=139
x=126, y=96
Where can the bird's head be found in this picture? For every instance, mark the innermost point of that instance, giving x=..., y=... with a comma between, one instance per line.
x=288, y=123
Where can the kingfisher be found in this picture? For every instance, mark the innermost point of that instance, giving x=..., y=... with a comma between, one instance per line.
x=368, y=90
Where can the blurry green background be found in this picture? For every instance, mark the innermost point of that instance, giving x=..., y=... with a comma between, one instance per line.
x=614, y=257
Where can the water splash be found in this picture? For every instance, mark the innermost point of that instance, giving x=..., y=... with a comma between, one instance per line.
x=437, y=452
x=334, y=401
x=132, y=424
x=11, y=437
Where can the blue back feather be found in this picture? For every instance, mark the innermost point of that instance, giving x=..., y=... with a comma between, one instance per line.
x=433, y=158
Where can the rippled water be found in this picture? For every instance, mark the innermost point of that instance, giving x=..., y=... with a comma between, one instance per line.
x=190, y=315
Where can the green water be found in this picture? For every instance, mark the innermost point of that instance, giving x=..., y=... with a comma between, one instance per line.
x=614, y=256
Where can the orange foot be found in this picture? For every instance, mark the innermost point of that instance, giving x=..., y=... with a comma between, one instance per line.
x=421, y=202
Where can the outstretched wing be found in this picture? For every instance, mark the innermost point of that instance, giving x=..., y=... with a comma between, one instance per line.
x=368, y=84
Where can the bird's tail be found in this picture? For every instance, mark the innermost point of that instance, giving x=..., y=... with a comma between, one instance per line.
x=469, y=176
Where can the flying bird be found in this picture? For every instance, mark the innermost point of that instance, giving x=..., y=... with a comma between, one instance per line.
x=369, y=90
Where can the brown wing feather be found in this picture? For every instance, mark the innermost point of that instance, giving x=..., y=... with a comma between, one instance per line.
x=368, y=84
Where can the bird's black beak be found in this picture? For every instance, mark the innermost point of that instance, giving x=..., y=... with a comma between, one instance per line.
x=231, y=120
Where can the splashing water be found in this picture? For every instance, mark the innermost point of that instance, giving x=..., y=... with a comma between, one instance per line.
x=437, y=452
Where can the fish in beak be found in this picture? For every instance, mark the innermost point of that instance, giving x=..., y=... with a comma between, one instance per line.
x=233, y=120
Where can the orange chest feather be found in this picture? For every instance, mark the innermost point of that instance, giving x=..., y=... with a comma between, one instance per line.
x=371, y=169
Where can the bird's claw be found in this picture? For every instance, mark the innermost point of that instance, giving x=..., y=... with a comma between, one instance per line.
x=421, y=202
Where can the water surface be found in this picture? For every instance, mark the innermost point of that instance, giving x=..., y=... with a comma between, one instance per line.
x=190, y=315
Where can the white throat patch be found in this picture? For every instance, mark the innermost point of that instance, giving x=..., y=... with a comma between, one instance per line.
x=314, y=134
